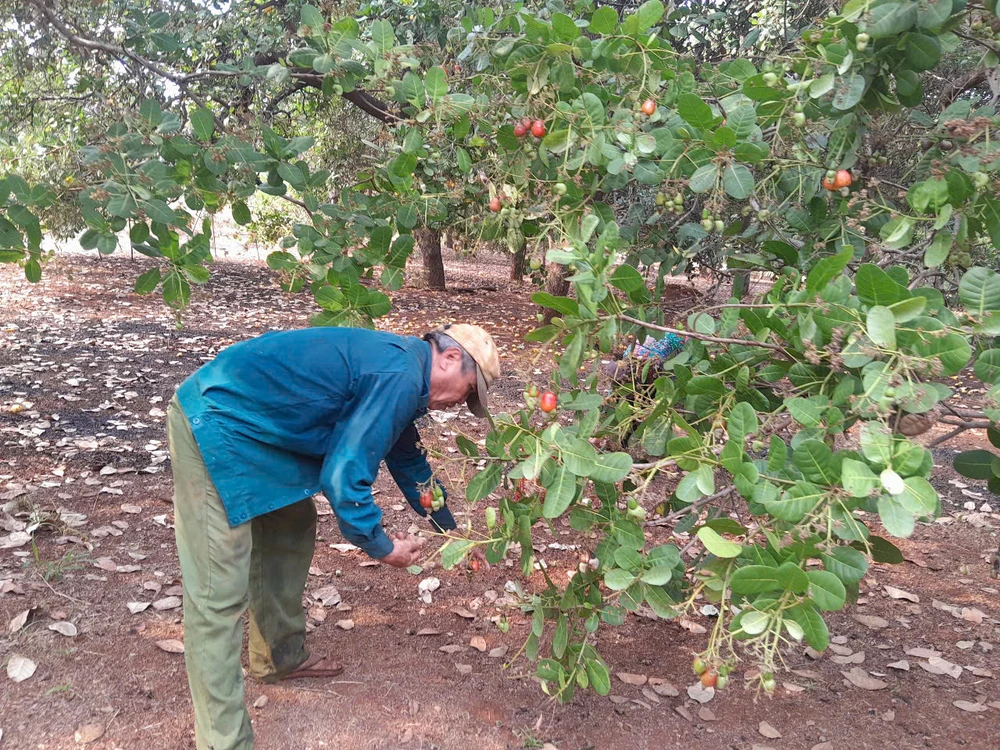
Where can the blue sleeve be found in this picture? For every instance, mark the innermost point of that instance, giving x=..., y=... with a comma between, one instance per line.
x=386, y=403
x=408, y=465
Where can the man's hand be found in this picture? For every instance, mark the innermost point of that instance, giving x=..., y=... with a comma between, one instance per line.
x=405, y=550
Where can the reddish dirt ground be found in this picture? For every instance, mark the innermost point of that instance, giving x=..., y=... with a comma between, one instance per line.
x=97, y=363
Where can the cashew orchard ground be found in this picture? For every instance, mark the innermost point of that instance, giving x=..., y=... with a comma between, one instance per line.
x=872, y=300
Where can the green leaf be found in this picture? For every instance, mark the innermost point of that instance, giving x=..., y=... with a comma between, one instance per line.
x=563, y=305
x=454, y=551
x=148, y=281
x=704, y=178
x=717, y=545
x=918, y=497
x=805, y=412
x=922, y=51
x=742, y=421
x=754, y=579
x=203, y=124
x=241, y=214
x=974, y=464
x=436, y=84
x=858, y=479
x=33, y=271
x=792, y=578
x=694, y=111
x=799, y=500
x=659, y=575
x=876, y=287
x=648, y=14
x=560, y=638
x=617, y=579
x=467, y=447
x=579, y=456
x=979, y=290
x=848, y=91
x=383, y=36
x=987, y=366
x=159, y=211
x=846, y=563
x=908, y=309
x=811, y=621
x=611, y=467
x=816, y=462
x=884, y=551
x=827, y=269
x=483, y=483
x=826, y=590
x=604, y=20
x=597, y=672
x=559, y=492
x=737, y=181
x=897, y=520
x=754, y=622
x=630, y=281
x=932, y=14
x=881, y=327
x=891, y=19
x=312, y=18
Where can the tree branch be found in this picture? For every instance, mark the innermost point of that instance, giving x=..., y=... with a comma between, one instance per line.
x=693, y=506
x=703, y=336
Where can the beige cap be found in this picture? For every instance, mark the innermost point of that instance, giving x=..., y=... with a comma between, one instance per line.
x=481, y=348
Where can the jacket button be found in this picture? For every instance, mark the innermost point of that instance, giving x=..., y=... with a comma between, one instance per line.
x=196, y=420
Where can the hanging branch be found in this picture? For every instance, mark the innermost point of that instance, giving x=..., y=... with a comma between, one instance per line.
x=704, y=336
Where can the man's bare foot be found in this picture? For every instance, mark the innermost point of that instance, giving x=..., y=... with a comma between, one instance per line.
x=316, y=666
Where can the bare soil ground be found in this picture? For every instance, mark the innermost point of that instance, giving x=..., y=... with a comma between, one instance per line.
x=86, y=368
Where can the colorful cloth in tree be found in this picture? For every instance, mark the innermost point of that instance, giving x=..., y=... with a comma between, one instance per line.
x=652, y=348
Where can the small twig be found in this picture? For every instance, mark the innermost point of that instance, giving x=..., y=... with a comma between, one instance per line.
x=945, y=438
x=64, y=596
x=694, y=506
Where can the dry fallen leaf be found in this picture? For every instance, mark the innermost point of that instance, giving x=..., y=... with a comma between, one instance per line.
x=328, y=596
x=478, y=643
x=19, y=620
x=766, y=730
x=106, y=563
x=691, y=626
x=973, y=615
x=498, y=653
x=618, y=699
x=937, y=665
x=860, y=678
x=137, y=607
x=632, y=679
x=839, y=649
x=452, y=648
x=973, y=708
x=902, y=664
x=428, y=631
x=20, y=668
x=707, y=714
x=662, y=687
x=462, y=612
x=858, y=658
x=700, y=693
x=64, y=627
x=171, y=646
x=131, y=508
x=260, y=702
x=345, y=624
x=871, y=621
x=169, y=602
x=88, y=733
x=922, y=653
x=650, y=695
x=895, y=593
x=463, y=668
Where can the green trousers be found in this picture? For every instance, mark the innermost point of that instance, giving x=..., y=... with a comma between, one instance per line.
x=263, y=563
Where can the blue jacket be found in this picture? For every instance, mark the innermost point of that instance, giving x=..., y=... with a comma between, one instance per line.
x=280, y=417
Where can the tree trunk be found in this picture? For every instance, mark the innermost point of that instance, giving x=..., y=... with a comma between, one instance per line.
x=429, y=242
x=517, y=266
x=556, y=284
